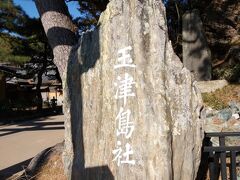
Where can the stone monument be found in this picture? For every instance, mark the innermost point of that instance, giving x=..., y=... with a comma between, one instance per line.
x=132, y=109
x=196, y=53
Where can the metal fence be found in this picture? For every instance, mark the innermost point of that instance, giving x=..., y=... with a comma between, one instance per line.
x=221, y=159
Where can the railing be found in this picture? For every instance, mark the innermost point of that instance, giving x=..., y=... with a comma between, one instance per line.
x=221, y=152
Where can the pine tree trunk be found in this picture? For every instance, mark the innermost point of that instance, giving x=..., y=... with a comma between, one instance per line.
x=61, y=36
x=59, y=29
x=38, y=89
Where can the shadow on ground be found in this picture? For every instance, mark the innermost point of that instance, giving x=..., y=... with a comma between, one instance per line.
x=11, y=117
x=34, y=125
x=9, y=171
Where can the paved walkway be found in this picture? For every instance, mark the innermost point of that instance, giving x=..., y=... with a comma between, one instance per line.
x=21, y=142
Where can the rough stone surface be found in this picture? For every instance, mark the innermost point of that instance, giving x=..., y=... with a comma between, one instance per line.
x=225, y=114
x=225, y=120
x=211, y=86
x=165, y=110
x=196, y=54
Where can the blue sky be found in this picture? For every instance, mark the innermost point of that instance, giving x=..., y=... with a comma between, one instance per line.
x=29, y=7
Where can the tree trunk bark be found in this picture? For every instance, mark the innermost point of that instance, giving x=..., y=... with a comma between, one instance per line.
x=61, y=36
x=39, y=79
x=38, y=89
x=59, y=29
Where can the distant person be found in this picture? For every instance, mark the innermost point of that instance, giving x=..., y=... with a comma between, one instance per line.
x=54, y=102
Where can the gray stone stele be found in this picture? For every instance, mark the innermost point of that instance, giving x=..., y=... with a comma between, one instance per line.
x=196, y=53
x=165, y=110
